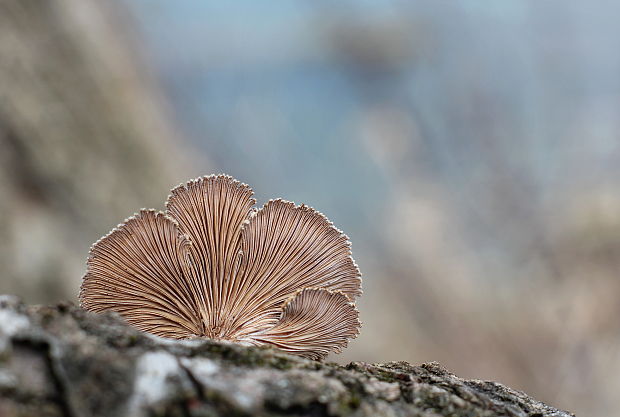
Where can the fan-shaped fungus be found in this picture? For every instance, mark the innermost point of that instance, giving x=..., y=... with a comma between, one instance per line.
x=214, y=266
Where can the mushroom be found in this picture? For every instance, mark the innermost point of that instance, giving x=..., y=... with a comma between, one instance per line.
x=214, y=266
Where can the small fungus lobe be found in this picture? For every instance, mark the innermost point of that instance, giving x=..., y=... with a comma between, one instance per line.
x=214, y=266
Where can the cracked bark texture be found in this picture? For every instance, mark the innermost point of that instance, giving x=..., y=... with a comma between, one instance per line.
x=63, y=361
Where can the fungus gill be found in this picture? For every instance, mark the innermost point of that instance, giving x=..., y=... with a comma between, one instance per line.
x=214, y=266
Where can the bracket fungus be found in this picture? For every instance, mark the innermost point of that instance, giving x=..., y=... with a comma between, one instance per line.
x=214, y=266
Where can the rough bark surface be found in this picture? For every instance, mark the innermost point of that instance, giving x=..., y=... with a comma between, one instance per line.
x=63, y=361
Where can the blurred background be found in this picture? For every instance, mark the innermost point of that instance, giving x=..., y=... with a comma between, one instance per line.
x=470, y=150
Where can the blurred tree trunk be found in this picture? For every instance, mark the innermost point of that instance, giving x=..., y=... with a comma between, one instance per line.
x=85, y=140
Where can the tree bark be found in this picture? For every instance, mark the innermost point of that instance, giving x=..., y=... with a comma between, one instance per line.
x=63, y=361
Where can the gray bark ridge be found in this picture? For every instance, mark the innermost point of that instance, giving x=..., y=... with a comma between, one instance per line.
x=63, y=361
